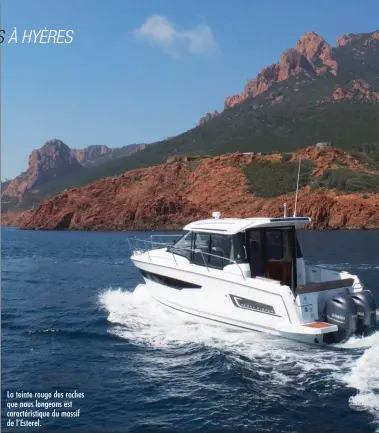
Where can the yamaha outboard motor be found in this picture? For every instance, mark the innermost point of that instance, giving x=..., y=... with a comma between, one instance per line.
x=366, y=310
x=340, y=311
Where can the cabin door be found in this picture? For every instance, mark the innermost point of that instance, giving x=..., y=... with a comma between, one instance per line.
x=272, y=254
x=256, y=252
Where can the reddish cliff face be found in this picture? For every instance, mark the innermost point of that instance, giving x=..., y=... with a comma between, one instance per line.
x=315, y=48
x=351, y=37
x=357, y=89
x=56, y=160
x=90, y=154
x=208, y=117
x=52, y=160
x=170, y=195
x=14, y=219
x=98, y=154
x=312, y=55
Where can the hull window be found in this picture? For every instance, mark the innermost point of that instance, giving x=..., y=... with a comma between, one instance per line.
x=168, y=281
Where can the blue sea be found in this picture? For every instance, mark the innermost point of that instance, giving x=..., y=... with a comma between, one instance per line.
x=71, y=321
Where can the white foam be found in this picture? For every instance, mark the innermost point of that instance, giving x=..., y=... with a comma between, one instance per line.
x=364, y=377
x=141, y=320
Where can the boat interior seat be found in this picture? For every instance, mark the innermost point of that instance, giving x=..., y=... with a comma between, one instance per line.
x=218, y=251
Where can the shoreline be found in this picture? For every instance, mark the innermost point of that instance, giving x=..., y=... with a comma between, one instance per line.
x=173, y=229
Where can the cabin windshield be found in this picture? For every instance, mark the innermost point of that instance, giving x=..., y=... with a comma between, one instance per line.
x=211, y=249
x=271, y=252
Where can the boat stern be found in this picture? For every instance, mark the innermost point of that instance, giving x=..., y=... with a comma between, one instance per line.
x=342, y=303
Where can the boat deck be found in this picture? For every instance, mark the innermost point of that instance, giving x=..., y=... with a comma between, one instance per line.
x=318, y=325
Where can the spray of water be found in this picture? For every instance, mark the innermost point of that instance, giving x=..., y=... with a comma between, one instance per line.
x=138, y=318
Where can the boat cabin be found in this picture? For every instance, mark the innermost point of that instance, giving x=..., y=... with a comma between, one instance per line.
x=262, y=247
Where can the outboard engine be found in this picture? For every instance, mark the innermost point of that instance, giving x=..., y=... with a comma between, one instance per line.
x=366, y=311
x=340, y=311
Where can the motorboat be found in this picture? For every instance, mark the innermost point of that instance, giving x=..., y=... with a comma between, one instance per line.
x=250, y=273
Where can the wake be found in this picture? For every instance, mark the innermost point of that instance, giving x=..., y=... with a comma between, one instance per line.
x=140, y=320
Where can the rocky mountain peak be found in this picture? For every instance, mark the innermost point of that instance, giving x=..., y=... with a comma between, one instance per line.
x=312, y=55
x=208, y=117
x=52, y=160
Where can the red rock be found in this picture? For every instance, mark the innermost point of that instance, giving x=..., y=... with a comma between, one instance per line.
x=310, y=48
x=90, y=153
x=52, y=160
x=231, y=101
x=208, y=117
x=345, y=39
x=97, y=154
x=356, y=89
x=351, y=37
x=55, y=159
x=314, y=47
x=312, y=55
x=293, y=62
x=170, y=195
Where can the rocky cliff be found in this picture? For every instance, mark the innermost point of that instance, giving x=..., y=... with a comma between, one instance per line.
x=208, y=117
x=312, y=56
x=357, y=89
x=52, y=160
x=55, y=160
x=91, y=154
x=100, y=154
x=351, y=37
x=170, y=195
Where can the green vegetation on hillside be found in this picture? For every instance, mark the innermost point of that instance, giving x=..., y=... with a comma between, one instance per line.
x=367, y=153
x=271, y=179
x=348, y=181
x=283, y=128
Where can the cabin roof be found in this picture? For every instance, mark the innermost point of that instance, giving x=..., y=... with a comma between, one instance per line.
x=230, y=226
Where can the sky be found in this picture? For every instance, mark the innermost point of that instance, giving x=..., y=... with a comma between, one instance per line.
x=141, y=71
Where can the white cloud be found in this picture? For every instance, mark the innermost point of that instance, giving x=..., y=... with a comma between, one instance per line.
x=158, y=30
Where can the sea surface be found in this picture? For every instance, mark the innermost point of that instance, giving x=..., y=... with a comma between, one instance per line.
x=71, y=320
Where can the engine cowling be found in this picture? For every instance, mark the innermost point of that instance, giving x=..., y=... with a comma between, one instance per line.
x=340, y=311
x=366, y=311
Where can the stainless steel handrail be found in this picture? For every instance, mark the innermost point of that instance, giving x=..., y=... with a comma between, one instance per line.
x=165, y=236
x=163, y=245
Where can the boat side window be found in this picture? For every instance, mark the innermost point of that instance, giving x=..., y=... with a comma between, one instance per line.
x=202, y=242
x=213, y=250
x=220, y=245
x=183, y=246
x=220, y=251
x=274, y=244
x=299, y=253
x=238, y=252
x=201, y=248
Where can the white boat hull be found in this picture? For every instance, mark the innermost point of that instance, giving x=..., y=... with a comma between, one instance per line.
x=292, y=300
x=223, y=302
x=204, y=317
